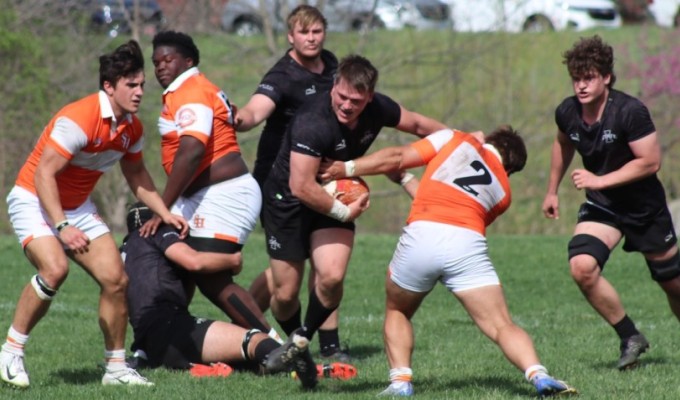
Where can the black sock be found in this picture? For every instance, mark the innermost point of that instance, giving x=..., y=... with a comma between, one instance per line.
x=263, y=349
x=291, y=323
x=316, y=315
x=625, y=328
x=329, y=341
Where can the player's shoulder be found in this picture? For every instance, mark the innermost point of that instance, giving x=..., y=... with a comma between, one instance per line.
x=625, y=100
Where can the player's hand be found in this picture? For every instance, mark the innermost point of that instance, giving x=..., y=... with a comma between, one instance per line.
x=584, y=179
x=150, y=227
x=551, y=206
x=74, y=239
x=238, y=120
x=330, y=170
x=179, y=223
x=358, y=206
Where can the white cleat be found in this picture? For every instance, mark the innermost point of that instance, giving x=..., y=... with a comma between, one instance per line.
x=12, y=369
x=125, y=376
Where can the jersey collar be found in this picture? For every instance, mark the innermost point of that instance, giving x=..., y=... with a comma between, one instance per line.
x=493, y=150
x=107, y=110
x=181, y=79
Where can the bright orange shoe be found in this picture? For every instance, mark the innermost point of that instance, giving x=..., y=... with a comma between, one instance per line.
x=336, y=370
x=214, y=369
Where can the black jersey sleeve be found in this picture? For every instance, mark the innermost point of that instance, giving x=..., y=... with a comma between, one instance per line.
x=636, y=120
x=388, y=109
x=165, y=237
x=273, y=85
x=564, y=114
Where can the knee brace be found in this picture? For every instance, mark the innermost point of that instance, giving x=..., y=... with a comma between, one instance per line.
x=665, y=270
x=42, y=289
x=589, y=244
x=246, y=342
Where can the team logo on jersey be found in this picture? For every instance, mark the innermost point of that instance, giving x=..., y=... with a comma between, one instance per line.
x=668, y=237
x=368, y=136
x=266, y=87
x=273, y=243
x=608, y=136
x=186, y=117
x=574, y=137
x=310, y=91
x=199, y=222
x=341, y=145
x=126, y=140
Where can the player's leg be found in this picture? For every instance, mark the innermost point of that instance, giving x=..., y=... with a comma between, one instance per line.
x=487, y=307
x=261, y=289
x=103, y=262
x=329, y=335
x=285, y=301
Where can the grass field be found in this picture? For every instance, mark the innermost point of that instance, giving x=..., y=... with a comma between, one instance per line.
x=452, y=359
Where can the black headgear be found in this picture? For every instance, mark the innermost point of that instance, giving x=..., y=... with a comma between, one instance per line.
x=137, y=215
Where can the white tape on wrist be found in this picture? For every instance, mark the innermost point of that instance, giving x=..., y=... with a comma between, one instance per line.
x=339, y=211
x=349, y=168
x=406, y=178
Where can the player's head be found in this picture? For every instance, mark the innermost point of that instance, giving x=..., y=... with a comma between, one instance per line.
x=510, y=146
x=173, y=53
x=125, y=61
x=137, y=214
x=305, y=16
x=306, y=33
x=588, y=56
x=353, y=88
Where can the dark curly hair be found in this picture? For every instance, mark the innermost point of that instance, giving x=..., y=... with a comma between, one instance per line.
x=588, y=55
x=511, y=147
x=182, y=42
x=124, y=61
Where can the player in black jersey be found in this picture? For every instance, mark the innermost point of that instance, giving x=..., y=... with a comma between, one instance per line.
x=161, y=269
x=301, y=220
x=616, y=138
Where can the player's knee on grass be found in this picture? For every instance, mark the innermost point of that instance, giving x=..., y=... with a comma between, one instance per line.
x=665, y=270
x=589, y=245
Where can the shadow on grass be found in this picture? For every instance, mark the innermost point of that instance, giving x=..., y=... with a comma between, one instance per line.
x=79, y=376
x=644, y=361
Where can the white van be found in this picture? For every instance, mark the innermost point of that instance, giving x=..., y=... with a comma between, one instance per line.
x=665, y=12
x=532, y=15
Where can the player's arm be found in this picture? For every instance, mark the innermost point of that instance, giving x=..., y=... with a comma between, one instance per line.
x=142, y=186
x=417, y=124
x=561, y=155
x=203, y=262
x=303, y=185
x=647, y=161
x=51, y=164
x=187, y=159
x=406, y=180
x=383, y=161
x=259, y=108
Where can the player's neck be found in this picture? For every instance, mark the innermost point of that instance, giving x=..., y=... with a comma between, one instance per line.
x=313, y=64
x=592, y=112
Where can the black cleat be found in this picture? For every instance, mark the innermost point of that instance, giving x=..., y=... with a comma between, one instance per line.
x=631, y=349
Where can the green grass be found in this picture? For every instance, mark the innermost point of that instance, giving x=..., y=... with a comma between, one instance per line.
x=452, y=360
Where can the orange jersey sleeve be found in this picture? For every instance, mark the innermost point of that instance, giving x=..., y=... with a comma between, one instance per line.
x=464, y=183
x=86, y=133
x=194, y=106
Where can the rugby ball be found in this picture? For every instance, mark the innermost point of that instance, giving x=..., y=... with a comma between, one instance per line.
x=346, y=190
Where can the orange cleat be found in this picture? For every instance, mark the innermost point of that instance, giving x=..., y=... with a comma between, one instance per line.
x=336, y=370
x=214, y=369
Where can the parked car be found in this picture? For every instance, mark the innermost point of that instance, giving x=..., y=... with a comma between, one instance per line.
x=533, y=15
x=665, y=12
x=244, y=17
x=110, y=17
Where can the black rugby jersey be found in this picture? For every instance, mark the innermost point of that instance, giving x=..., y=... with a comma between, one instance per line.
x=155, y=289
x=316, y=131
x=289, y=85
x=604, y=147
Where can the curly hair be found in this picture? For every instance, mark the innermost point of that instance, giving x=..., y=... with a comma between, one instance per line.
x=124, y=61
x=510, y=146
x=182, y=42
x=588, y=55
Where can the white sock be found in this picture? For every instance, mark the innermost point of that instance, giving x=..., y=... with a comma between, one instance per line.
x=401, y=374
x=15, y=342
x=535, y=371
x=115, y=360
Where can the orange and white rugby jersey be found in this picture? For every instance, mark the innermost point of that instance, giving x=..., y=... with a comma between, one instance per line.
x=464, y=183
x=87, y=134
x=192, y=105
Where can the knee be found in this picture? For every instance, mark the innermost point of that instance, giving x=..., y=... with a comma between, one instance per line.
x=286, y=294
x=587, y=257
x=115, y=283
x=55, y=274
x=330, y=283
x=584, y=270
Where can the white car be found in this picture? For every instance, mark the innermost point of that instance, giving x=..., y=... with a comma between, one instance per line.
x=665, y=12
x=533, y=15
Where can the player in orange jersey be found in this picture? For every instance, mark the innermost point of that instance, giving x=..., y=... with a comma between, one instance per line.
x=208, y=180
x=53, y=216
x=464, y=188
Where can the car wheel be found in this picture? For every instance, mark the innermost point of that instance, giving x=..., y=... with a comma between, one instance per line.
x=538, y=23
x=247, y=27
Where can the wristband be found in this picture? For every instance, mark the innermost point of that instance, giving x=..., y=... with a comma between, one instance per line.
x=63, y=224
x=406, y=178
x=349, y=168
x=339, y=211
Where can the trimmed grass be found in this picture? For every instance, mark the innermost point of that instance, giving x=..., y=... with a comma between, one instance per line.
x=452, y=359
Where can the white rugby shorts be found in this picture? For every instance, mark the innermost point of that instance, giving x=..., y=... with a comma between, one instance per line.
x=30, y=220
x=227, y=210
x=430, y=251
